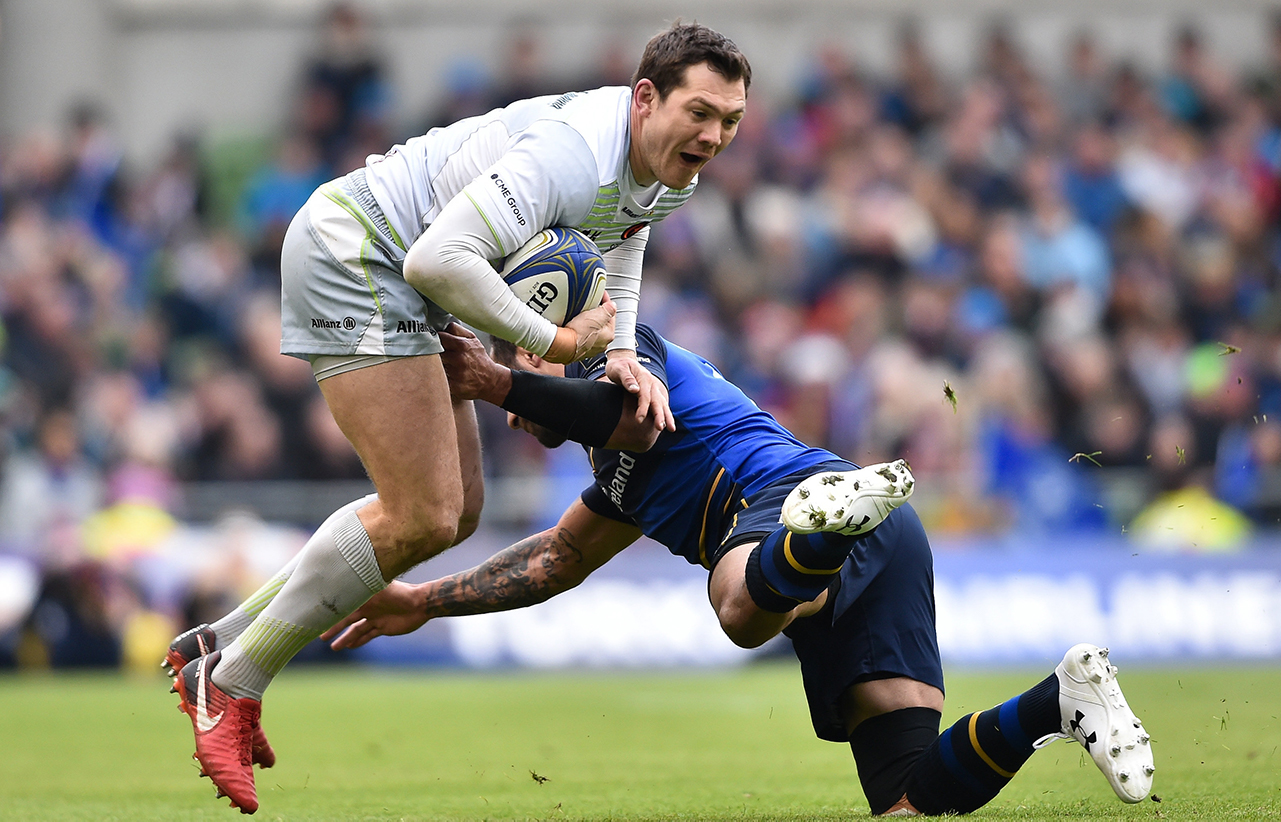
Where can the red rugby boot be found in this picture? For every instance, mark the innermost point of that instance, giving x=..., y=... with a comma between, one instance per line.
x=224, y=729
x=194, y=644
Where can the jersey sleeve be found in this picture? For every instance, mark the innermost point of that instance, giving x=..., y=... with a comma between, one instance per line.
x=546, y=177
x=651, y=352
x=599, y=503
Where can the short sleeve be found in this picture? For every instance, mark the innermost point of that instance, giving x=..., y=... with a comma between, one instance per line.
x=598, y=503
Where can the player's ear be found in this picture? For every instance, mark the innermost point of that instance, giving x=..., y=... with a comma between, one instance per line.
x=528, y=360
x=645, y=96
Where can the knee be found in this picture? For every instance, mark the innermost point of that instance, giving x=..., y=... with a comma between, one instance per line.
x=469, y=521
x=425, y=529
x=741, y=624
x=434, y=532
x=467, y=525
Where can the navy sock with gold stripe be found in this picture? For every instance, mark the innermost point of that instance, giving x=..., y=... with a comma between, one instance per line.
x=786, y=569
x=976, y=757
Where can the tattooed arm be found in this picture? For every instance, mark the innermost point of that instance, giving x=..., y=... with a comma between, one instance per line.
x=527, y=573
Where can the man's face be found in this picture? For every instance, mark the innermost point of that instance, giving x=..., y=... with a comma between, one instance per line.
x=528, y=362
x=674, y=137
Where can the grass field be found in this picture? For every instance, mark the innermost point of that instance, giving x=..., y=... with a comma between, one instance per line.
x=359, y=744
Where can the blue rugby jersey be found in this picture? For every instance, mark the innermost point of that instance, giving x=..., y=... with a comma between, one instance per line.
x=685, y=490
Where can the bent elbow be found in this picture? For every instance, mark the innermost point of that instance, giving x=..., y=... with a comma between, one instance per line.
x=432, y=263
x=419, y=267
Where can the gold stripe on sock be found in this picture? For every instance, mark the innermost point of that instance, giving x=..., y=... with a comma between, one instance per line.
x=974, y=741
x=787, y=552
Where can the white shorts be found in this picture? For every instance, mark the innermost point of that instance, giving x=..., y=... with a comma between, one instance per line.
x=342, y=286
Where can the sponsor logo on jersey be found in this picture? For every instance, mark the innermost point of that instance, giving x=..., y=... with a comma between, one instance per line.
x=634, y=215
x=559, y=102
x=414, y=327
x=346, y=322
x=511, y=201
x=618, y=485
x=634, y=228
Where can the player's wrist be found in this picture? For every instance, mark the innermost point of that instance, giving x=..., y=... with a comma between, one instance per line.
x=498, y=385
x=425, y=603
x=564, y=346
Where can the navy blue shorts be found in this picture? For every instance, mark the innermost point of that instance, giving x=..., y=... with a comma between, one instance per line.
x=764, y=511
x=879, y=622
x=879, y=618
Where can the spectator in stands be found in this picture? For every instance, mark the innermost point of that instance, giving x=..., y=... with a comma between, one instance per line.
x=345, y=101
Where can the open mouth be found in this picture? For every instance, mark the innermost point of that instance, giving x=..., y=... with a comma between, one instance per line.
x=692, y=159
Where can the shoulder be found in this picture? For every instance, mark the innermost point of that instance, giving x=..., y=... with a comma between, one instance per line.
x=600, y=118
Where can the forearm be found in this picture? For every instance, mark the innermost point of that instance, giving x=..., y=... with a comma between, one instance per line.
x=529, y=572
x=623, y=285
x=583, y=411
x=449, y=265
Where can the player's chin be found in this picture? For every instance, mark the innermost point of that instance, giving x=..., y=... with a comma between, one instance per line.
x=682, y=173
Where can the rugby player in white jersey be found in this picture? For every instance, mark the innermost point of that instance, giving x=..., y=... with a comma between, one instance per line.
x=376, y=263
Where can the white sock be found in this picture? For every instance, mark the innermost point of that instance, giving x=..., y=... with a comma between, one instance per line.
x=337, y=572
x=233, y=624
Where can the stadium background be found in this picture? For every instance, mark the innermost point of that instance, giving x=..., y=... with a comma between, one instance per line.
x=1068, y=218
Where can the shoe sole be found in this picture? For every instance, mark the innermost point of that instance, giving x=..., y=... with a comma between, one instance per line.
x=831, y=500
x=172, y=664
x=1124, y=751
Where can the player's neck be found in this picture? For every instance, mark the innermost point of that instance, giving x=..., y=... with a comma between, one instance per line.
x=641, y=173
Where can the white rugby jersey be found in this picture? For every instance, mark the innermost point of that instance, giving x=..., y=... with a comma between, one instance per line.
x=554, y=160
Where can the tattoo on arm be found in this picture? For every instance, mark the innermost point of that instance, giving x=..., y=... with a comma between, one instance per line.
x=529, y=572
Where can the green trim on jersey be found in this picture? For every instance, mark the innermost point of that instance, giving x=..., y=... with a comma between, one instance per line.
x=602, y=225
x=497, y=241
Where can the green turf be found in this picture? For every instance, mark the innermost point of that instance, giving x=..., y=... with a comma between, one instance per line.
x=359, y=744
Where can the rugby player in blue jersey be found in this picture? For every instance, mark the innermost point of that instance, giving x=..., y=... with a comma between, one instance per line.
x=796, y=540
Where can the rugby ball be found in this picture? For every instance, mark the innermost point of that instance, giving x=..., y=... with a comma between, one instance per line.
x=559, y=273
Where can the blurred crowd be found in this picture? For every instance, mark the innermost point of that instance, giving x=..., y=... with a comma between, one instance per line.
x=1053, y=291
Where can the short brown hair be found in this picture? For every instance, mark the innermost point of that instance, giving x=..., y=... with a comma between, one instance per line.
x=670, y=52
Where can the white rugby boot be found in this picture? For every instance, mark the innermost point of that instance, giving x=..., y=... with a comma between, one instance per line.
x=1096, y=715
x=847, y=502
